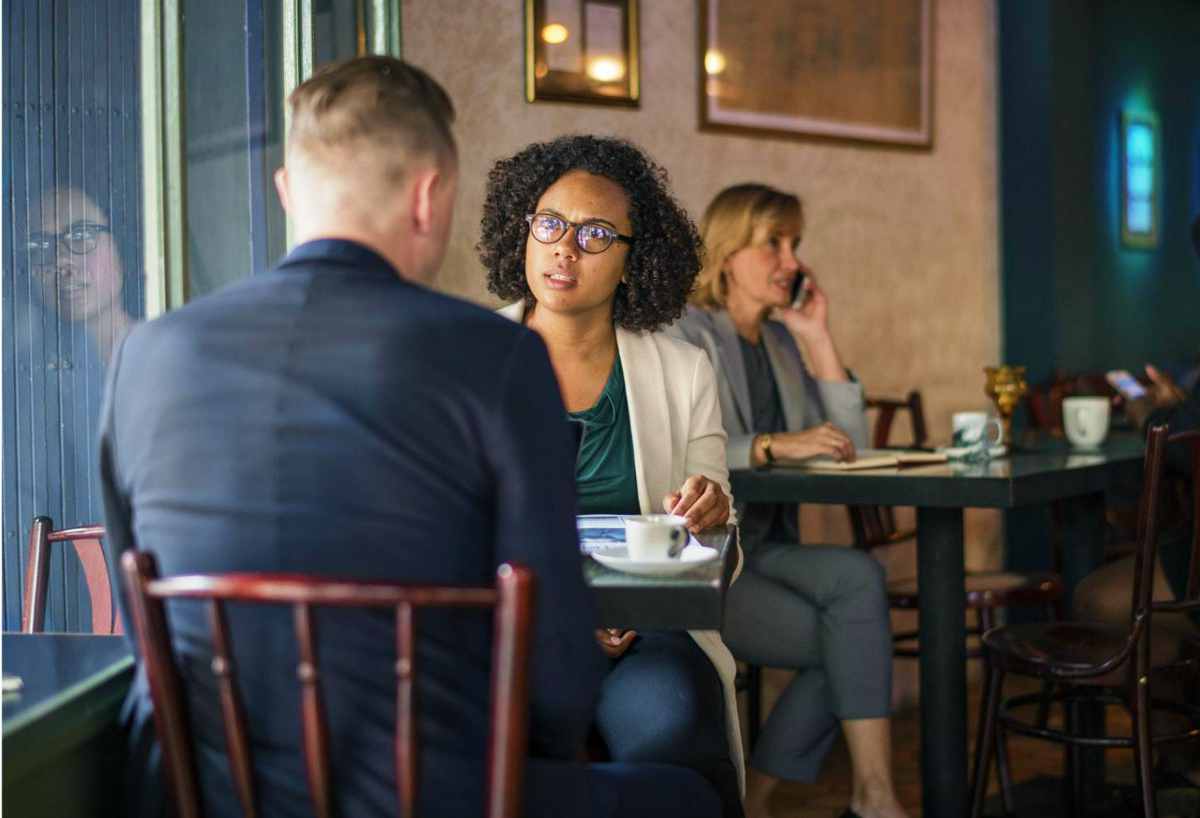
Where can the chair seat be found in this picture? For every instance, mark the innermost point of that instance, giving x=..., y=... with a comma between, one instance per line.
x=1069, y=648
x=988, y=589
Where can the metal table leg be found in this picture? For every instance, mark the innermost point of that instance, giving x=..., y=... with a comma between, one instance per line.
x=943, y=662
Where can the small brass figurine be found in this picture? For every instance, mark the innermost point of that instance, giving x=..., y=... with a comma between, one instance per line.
x=1005, y=386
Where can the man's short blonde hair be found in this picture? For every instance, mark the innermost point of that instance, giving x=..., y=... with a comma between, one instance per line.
x=730, y=223
x=376, y=113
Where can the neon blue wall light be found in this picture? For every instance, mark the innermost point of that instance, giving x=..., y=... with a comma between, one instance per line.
x=1139, y=180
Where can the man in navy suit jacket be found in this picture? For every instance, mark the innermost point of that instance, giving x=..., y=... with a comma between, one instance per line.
x=334, y=416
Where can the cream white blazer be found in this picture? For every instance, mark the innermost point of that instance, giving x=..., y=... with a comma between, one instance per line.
x=675, y=418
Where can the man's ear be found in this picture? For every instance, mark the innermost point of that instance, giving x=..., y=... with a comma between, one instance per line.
x=426, y=184
x=281, y=187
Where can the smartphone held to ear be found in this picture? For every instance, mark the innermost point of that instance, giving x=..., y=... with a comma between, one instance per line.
x=1125, y=384
x=799, y=293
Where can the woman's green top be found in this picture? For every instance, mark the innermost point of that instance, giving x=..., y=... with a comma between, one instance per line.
x=604, y=472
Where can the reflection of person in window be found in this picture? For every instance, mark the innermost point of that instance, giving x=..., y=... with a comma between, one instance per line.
x=77, y=266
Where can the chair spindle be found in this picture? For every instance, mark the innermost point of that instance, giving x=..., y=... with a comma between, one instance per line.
x=407, y=760
x=316, y=739
x=241, y=764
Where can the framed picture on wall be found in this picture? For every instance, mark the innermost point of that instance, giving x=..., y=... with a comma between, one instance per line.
x=582, y=51
x=821, y=68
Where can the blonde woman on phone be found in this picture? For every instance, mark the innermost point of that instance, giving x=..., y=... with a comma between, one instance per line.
x=820, y=611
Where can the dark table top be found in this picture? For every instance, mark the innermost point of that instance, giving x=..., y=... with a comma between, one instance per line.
x=52, y=665
x=1036, y=473
x=694, y=600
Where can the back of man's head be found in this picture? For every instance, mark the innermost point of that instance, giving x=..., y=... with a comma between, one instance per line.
x=364, y=123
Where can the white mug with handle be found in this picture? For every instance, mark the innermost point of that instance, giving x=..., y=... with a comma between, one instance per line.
x=1085, y=421
x=655, y=537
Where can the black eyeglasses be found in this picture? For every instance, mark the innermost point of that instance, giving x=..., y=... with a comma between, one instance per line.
x=79, y=239
x=591, y=237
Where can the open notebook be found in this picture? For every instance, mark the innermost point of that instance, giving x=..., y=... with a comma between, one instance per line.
x=872, y=459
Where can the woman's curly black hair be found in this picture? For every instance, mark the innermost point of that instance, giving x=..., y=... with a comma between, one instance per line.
x=665, y=257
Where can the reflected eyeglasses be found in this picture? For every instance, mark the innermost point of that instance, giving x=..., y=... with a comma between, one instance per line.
x=591, y=237
x=79, y=240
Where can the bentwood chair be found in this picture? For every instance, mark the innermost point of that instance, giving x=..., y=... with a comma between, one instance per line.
x=511, y=598
x=87, y=541
x=1091, y=662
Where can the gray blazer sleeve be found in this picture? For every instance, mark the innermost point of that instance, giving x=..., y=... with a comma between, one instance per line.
x=845, y=407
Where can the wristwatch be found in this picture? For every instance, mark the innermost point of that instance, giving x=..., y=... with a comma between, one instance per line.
x=765, y=442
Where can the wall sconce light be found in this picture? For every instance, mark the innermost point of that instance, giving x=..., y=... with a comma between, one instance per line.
x=1140, y=180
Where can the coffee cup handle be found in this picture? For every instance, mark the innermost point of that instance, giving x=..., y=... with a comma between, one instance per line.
x=999, y=431
x=679, y=538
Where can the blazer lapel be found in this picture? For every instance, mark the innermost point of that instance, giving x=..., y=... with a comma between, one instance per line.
x=649, y=420
x=789, y=380
x=733, y=366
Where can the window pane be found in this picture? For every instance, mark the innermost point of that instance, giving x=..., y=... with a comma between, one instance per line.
x=232, y=102
x=73, y=282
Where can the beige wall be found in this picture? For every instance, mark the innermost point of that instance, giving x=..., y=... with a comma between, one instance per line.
x=904, y=242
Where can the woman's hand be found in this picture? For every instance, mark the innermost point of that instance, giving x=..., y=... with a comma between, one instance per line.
x=1163, y=392
x=826, y=439
x=614, y=641
x=701, y=501
x=810, y=321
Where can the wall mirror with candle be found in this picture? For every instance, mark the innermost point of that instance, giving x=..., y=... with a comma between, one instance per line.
x=582, y=51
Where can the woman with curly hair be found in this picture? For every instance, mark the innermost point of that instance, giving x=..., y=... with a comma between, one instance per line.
x=584, y=237
x=822, y=612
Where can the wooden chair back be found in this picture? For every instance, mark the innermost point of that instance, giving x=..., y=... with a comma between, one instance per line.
x=1155, y=488
x=1043, y=402
x=87, y=542
x=511, y=598
x=874, y=526
x=887, y=408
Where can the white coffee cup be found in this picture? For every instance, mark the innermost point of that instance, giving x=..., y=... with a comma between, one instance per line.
x=1086, y=421
x=655, y=537
x=971, y=430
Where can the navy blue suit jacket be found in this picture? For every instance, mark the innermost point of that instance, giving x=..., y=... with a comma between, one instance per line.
x=328, y=417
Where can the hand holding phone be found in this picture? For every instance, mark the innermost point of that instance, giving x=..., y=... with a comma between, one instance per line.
x=799, y=293
x=1125, y=384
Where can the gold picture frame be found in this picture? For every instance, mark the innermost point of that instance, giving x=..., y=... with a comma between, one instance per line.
x=583, y=51
x=823, y=69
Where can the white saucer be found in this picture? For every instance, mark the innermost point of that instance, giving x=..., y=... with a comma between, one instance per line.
x=959, y=452
x=617, y=558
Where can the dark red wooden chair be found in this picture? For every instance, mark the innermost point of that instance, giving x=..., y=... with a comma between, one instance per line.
x=1093, y=662
x=87, y=542
x=887, y=409
x=511, y=598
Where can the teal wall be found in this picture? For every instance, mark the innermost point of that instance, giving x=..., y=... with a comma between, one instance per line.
x=1074, y=298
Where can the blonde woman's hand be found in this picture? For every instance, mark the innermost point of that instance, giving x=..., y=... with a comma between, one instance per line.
x=810, y=321
x=824, y=440
x=700, y=501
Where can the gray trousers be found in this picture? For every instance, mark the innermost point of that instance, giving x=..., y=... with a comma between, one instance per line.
x=823, y=612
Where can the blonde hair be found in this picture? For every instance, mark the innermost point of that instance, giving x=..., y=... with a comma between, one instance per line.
x=369, y=118
x=730, y=223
